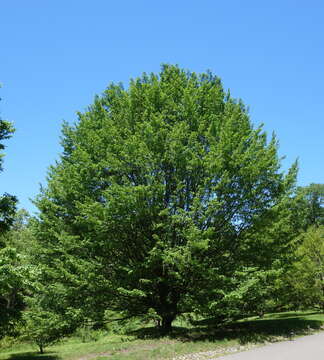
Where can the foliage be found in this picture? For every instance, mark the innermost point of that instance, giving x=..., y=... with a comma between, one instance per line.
x=159, y=202
x=6, y=130
x=294, y=289
x=307, y=275
x=11, y=274
x=43, y=327
x=20, y=236
x=7, y=202
x=16, y=272
x=13, y=278
x=313, y=197
x=7, y=211
x=279, y=237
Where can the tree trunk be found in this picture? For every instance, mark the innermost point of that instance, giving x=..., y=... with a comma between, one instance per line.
x=41, y=349
x=167, y=323
x=261, y=314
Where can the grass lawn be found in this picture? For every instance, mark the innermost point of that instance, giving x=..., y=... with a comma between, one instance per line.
x=145, y=343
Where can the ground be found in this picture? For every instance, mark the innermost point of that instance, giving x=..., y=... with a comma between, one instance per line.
x=200, y=341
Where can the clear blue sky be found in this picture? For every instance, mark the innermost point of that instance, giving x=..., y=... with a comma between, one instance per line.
x=56, y=55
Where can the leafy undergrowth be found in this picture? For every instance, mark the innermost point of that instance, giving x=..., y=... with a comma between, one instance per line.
x=202, y=336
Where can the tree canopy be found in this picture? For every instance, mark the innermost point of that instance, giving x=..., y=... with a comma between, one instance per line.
x=158, y=201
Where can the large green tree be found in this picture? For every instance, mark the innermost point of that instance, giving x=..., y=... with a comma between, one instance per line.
x=157, y=201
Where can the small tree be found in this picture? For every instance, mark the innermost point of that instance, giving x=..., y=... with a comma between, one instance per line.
x=43, y=328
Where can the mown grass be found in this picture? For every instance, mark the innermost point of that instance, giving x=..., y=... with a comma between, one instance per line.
x=147, y=342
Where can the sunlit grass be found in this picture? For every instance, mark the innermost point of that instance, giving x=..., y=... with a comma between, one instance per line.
x=147, y=343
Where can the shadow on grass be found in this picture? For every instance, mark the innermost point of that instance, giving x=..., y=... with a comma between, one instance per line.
x=262, y=330
x=270, y=329
x=34, y=355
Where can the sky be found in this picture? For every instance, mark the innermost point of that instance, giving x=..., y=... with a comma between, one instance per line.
x=55, y=56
